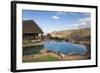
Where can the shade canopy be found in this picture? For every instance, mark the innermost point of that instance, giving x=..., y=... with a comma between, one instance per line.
x=29, y=26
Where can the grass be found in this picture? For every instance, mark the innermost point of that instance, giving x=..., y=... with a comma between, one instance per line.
x=41, y=58
x=47, y=58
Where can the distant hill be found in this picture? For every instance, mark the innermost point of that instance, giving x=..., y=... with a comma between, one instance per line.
x=81, y=34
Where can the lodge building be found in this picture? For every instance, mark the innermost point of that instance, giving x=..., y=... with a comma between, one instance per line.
x=31, y=30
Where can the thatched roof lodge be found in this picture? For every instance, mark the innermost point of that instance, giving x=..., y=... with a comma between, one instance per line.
x=31, y=30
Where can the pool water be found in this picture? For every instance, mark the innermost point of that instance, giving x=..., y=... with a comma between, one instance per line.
x=65, y=47
x=59, y=47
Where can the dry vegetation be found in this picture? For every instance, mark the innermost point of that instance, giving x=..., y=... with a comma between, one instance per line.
x=73, y=34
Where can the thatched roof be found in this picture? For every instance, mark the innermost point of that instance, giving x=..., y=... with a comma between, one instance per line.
x=29, y=26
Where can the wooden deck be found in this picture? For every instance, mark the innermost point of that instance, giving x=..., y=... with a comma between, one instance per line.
x=33, y=43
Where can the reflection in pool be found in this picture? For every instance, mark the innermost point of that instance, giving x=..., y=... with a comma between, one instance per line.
x=59, y=47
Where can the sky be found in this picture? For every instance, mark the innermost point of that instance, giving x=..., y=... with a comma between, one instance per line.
x=50, y=21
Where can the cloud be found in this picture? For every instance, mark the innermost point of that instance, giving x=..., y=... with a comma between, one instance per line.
x=72, y=13
x=55, y=17
x=87, y=14
x=60, y=13
x=65, y=13
x=83, y=23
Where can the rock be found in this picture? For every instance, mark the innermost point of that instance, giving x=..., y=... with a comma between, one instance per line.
x=62, y=55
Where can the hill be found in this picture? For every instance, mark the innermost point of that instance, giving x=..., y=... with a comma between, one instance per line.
x=77, y=34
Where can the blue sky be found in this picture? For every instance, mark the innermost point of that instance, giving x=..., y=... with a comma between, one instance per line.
x=50, y=21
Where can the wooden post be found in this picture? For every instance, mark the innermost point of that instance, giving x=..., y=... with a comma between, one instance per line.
x=41, y=35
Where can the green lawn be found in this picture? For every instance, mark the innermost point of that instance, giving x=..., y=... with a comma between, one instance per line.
x=47, y=58
x=42, y=58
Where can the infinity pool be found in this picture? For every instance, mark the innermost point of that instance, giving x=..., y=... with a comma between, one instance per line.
x=59, y=47
x=65, y=47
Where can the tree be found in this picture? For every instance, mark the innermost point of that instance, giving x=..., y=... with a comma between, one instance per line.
x=49, y=36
